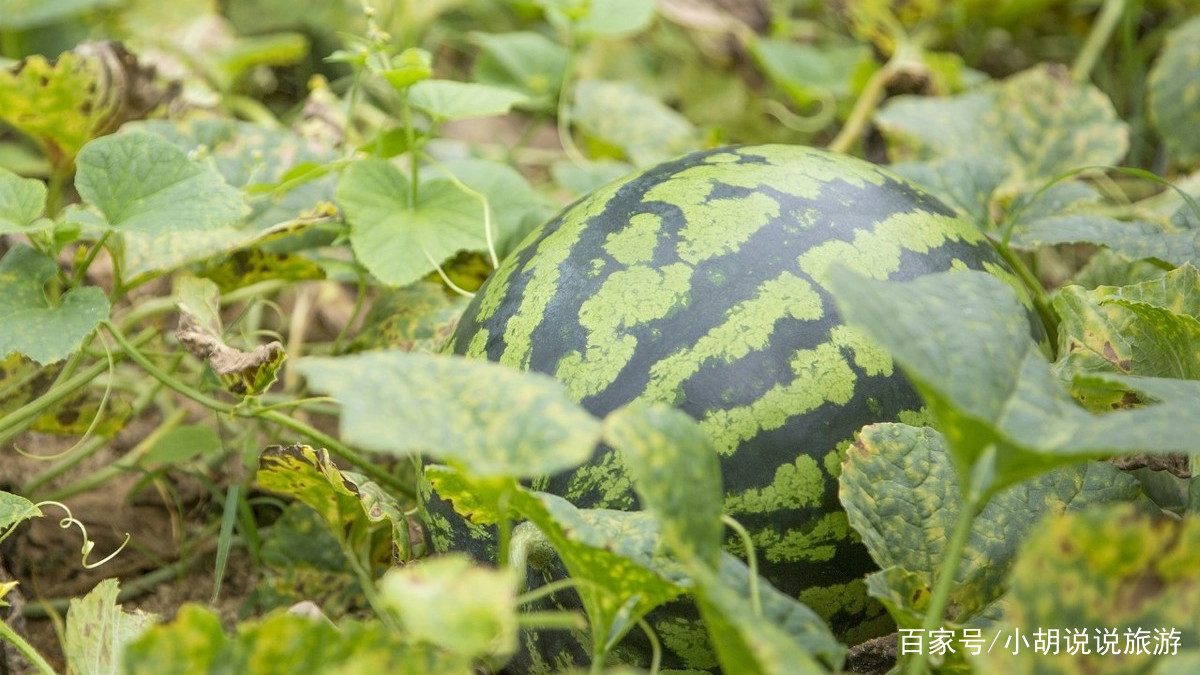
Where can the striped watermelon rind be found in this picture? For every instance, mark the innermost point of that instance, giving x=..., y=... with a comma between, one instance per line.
x=702, y=282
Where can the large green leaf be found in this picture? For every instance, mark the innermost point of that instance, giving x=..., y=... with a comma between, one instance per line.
x=1174, y=96
x=1040, y=122
x=587, y=19
x=21, y=202
x=1106, y=571
x=489, y=419
x=965, y=183
x=60, y=105
x=453, y=100
x=676, y=474
x=902, y=494
x=620, y=115
x=964, y=341
x=1134, y=240
x=809, y=73
x=448, y=602
x=254, y=157
x=399, y=240
x=170, y=209
x=98, y=630
x=302, y=560
x=514, y=206
x=527, y=62
x=45, y=330
x=193, y=643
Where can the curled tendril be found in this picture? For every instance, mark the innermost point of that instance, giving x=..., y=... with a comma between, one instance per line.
x=69, y=520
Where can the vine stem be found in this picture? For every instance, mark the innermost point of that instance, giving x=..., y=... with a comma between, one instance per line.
x=329, y=442
x=1098, y=37
x=10, y=636
x=946, y=573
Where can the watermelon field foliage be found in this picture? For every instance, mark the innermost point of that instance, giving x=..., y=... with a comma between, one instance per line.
x=397, y=151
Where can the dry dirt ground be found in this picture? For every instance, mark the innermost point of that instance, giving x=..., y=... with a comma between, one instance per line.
x=166, y=521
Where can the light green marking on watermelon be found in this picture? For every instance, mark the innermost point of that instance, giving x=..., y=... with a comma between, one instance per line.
x=800, y=484
x=634, y=244
x=494, y=293
x=689, y=640
x=607, y=477
x=821, y=375
x=876, y=252
x=477, y=348
x=816, y=543
x=718, y=227
x=848, y=598
x=626, y=299
x=743, y=331
x=542, y=272
x=868, y=356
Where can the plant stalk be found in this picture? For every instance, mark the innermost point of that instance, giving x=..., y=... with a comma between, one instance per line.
x=935, y=614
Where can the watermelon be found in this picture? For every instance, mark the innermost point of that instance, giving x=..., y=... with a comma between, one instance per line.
x=702, y=283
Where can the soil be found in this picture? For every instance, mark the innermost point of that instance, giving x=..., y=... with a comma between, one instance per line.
x=169, y=522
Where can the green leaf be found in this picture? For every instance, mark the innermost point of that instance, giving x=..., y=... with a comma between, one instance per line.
x=98, y=630
x=527, y=62
x=367, y=523
x=615, y=553
x=1134, y=240
x=1104, y=570
x=621, y=115
x=1040, y=122
x=22, y=201
x=400, y=241
x=963, y=339
x=169, y=209
x=965, y=183
x=797, y=620
x=809, y=73
x=676, y=474
x=183, y=444
x=143, y=183
x=1149, y=329
x=20, y=15
x=251, y=156
x=452, y=100
x=902, y=495
x=519, y=424
x=1174, y=96
x=193, y=643
x=745, y=643
x=588, y=19
x=515, y=207
x=14, y=510
x=301, y=560
x=44, y=330
x=448, y=602
x=413, y=318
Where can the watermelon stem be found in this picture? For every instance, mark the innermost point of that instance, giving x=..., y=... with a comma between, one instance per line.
x=935, y=614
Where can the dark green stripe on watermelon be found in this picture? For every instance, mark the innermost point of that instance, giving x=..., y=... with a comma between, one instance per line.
x=701, y=283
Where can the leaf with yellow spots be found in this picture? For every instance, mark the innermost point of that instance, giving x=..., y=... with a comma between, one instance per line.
x=367, y=523
x=1109, y=570
x=487, y=418
x=281, y=642
x=1149, y=329
x=98, y=630
x=901, y=492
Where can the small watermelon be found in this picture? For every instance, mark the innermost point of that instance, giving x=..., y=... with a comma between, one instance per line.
x=703, y=283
